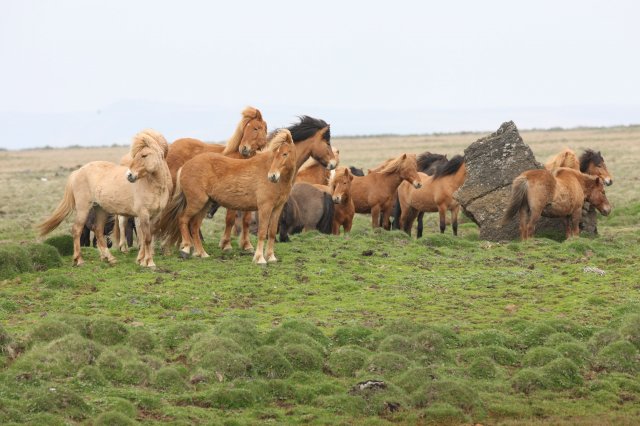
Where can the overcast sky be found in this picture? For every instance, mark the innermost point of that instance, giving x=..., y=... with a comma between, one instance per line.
x=87, y=56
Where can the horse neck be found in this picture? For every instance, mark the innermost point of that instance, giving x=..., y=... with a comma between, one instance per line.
x=303, y=151
x=161, y=178
x=391, y=181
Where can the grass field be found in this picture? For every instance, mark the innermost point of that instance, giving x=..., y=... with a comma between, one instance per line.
x=459, y=330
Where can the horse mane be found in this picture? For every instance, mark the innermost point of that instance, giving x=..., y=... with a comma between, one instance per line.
x=426, y=160
x=356, y=171
x=590, y=156
x=308, y=164
x=248, y=114
x=391, y=165
x=449, y=168
x=151, y=139
x=280, y=137
x=307, y=127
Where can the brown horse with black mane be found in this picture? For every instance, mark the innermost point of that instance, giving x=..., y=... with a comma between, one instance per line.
x=590, y=162
x=311, y=138
x=261, y=183
x=560, y=193
x=375, y=192
x=436, y=195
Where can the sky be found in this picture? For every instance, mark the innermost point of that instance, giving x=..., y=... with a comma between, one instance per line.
x=94, y=72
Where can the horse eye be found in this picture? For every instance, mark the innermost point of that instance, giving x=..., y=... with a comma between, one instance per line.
x=285, y=154
x=145, y=156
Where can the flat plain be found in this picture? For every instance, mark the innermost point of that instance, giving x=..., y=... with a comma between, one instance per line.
x=458, y=330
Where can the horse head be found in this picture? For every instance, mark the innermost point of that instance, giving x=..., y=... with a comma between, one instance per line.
x=147, y=154
x=254, y=134
x=341, y=186
x=408, y=170
x=592, y=163
x=284, y=157
x=596, y=196
x=321, y=149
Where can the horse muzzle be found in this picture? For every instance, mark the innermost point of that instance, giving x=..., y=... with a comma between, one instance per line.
x=337, y=200
x=131, y=177
x=274, y=177
x=245, y=151
x=605, y=210
x=332, y=165
x=608, y=182
x=417, y=184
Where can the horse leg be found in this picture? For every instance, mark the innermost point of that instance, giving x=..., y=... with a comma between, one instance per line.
x=420, y=227
x=146, y=238
x=273, y=229
x=442, y=212
x=123, y=245
x=375, y=216
x=229, y=221
x=534, y=217
x=183, y=224
x=82, y=211
x=524, y=219
x=194, y=229
x=386, y=215
x=335, y=227
x=101, y=219
x=263, y=224
x=454, y=219
x=245, y=242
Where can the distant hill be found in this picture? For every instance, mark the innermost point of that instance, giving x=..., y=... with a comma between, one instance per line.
x=116, y=123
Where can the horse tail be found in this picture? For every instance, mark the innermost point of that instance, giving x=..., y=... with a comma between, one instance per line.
x=325, y=224
x=396, y=212
x=64, y=209
x=518, y=201
x=168, y=224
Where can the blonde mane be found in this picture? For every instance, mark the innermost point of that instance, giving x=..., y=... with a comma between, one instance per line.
x=311, y=162
x=391, y=165
x=282, y=137
x=248, y=114
x=149, y=138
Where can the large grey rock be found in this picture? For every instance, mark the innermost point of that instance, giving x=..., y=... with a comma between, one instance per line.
x=492, y=163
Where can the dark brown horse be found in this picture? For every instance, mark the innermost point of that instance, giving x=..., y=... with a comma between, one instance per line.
x=560, y=193
x=306, y=209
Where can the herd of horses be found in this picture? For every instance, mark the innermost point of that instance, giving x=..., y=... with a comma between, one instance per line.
x=291, y=180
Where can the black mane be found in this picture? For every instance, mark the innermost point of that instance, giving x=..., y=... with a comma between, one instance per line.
x=307, y=127
x=449, y=168
x=356, y=171
x=590, y=156
x=427, y=162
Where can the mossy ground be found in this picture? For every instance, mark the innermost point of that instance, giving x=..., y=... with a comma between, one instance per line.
x=459, y=330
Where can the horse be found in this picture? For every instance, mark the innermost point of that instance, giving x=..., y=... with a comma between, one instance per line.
x=375, y=192
x=311, y=138
x=307, y=208
x=558, y=193
x=249, y=137
x=344, y=210
x=142, y=190
x=590, y=162
x=262, y=182
x=436, y=195
x=313, y=172
x=427, y=162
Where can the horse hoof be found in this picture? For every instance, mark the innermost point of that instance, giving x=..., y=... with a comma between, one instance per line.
x=124, y=250
x=79, y=262
x=248, y=247
x=261, y=261
x=202, y=255
x=112, y=261
x=184, y=255
x=272, y=259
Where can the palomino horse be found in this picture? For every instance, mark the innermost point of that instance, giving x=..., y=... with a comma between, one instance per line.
x=590, y=162
x=313, y=172
x=436, y=195
x=560, y=193
x=261, y=183
x=312, y=138
x=307, y=208
x=103, y=186
x=375, y=192
x=340, y=190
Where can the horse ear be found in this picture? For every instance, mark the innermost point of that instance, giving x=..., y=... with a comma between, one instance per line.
x=404, y=156
x=258, y=114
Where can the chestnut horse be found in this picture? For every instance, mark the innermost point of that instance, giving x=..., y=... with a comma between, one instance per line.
x=103, y=186
x=312, y=138
x=315, y=173
x=306, y=209
x=436, y=195
x=590, y=162
x=375, y=192
x=340, y=190
x=261, y=183
x=560, y=193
